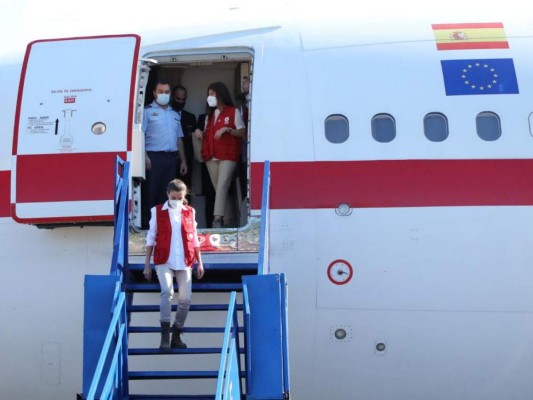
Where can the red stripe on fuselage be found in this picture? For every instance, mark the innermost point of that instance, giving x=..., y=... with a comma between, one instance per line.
x=472, y=45
x=5, y=190
x=470, y=25
x=396, y=183
x=65, y=177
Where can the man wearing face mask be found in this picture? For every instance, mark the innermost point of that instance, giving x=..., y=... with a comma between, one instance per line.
x=163, y=142
x=188, y=125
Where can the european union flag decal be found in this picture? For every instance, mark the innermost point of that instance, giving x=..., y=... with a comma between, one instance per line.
x=487, y=76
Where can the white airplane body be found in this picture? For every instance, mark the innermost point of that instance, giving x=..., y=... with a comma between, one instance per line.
x=401, y=201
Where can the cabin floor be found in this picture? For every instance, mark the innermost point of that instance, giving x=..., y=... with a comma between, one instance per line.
x=245, y=239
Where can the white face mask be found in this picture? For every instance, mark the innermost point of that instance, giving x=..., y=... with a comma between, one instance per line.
x=212, y=101
x=175, y=203
x=162, y=99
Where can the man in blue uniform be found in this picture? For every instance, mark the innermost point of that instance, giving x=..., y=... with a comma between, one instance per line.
x=163, y=142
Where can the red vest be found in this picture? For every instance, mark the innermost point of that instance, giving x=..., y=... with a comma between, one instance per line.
x=164, y=234
x=227, y=147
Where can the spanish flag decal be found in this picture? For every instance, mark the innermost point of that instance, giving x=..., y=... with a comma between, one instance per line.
x=485, y=35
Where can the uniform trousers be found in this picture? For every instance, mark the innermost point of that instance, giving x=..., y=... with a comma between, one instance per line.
x=162, y=171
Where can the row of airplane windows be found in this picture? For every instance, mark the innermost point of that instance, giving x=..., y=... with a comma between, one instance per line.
x=488, y=127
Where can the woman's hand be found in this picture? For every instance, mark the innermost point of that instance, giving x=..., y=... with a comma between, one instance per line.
x=200, y=270
x=198, y=134
x=221, y=131
x=147, y=272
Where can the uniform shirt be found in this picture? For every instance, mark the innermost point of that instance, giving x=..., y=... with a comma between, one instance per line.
x=161, y=127
x=176, y=256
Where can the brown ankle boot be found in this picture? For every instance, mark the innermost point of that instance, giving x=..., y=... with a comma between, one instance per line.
x=165, y=336
x=176, y=342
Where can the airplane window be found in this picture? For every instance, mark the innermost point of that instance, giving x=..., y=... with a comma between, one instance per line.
x=436, y=127
x=337, y=128
x=383, y=128
x=488, y=126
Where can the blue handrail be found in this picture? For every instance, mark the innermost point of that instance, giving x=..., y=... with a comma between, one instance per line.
x=115, y=343
x=229, y=373
x=229, y=385
x=263, y=266
x=247, y=318
x=285, y=333
x=255, y=380
x=112, y=369
x=115, y=370
x=121, y=226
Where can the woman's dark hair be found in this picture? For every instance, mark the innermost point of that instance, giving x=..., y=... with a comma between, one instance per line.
x=222, y=95
x=177, y=185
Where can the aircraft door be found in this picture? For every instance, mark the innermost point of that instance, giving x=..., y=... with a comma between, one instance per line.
x=138, y=151
x=74, y=116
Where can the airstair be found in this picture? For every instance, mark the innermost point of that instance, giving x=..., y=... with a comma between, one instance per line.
x=236, y=331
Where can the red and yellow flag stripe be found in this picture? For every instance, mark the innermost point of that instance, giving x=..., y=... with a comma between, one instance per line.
x=484, y=35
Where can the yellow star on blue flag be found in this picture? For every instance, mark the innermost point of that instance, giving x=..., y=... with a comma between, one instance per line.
x=480, y=76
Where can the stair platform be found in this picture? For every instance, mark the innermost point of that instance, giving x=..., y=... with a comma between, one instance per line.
x=194, y=307
x=192, y=329
x=209, y=266
x=153, y=375
x=152, y=351
x=145, y=375
x=196, y=287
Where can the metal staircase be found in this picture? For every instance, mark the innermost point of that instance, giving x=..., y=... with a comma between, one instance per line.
x=233, y=353
x=201, y=340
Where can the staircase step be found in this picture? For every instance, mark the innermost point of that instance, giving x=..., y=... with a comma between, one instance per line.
x=153, y=375
x=196, y=287
x=209, y=266
x=171, y=397
x=194, y=307
x=151, y=351
x=157, y=329
x=197, y=350
x=145, y=375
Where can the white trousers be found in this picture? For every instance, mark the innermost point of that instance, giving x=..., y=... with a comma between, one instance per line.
x=221, y=173
x=166, y=281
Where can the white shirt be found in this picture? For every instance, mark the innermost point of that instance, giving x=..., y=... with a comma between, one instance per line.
x=239, y=122
x=176, y=257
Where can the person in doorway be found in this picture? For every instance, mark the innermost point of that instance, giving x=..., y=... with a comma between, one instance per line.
x=221, y=144
x=207, y=186
x=188, y=126
x=163, y=141
x=173, y=240
x=244, y=100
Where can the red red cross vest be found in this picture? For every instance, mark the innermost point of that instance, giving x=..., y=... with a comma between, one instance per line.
x=227, y=147
x=164, y=234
